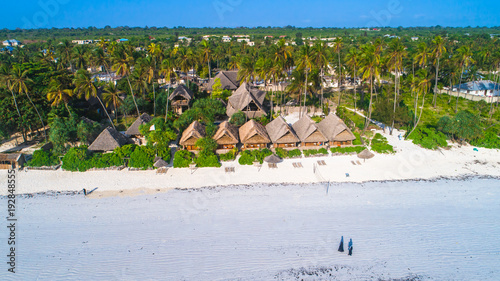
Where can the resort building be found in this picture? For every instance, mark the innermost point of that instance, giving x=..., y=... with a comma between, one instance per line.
x=11, y=43
x=247, y=99
x=253, y=135
x=194, y=132
x=226, y=137
x=309, y=133
x=485, y=88
x=11, y=161
x=336, y=131
x=226, y=39
x=281, y=134
x=180, y=98
x=133, y=130
x=108, y=140
x=82, y=42
x=228, y=79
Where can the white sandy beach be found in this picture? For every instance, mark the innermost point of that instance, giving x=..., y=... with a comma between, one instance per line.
x=410, y=162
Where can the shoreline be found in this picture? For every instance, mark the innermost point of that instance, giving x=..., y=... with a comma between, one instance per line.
x=410, y=163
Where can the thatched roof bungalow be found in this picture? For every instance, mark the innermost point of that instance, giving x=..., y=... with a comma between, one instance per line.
x=247, y=99
x=11, y=161
x=226, y=136
x=108, y=140
x=336, y=131
x=253, y=135
x=189, y=137
x=180, y=98
x=281, y=134
x=308, y=132
x=133, y=130
x=228, y=79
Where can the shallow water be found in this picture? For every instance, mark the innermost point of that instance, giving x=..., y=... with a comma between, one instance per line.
x=438, y=230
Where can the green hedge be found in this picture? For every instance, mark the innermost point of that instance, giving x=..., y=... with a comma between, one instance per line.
x=428, y=137
x=310, y=152
x=231, y=155
x=381, y=145
x=182, y=159
x=249, y=156
x=288, y=153
x=81, y=159
x=43, y=158
x=357, y=141
x=142, y=157
x=207, y=159
x=489, y=140
x=347, y=149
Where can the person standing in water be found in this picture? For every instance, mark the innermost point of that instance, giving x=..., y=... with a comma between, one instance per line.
x=350, y=247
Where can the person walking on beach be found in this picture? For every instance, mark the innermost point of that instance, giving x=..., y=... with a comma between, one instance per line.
x=341, y=246
x=350, y=247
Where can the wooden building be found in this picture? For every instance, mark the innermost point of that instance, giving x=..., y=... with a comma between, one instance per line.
x=194, y=132
x=228, y=79
x=248, y=100
x=308, y=132
x=180, y=99
x=336, y=131
x=253, y=135
x=11, y=161
x=226, y=136
x=108, y=140
x=281, y=134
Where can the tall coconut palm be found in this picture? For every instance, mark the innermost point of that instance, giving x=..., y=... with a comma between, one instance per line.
x=168, y=71
x=122, y=63
x=438, y=49
x=396, y=52
x=80, y=56
x=66, y=51
x=185, y=61
x=305, y=62
x=5, y=79
x=321, y=56
x=352, y=60
x=206, y=53
x=246, y=71
x=152, y=74
x=423, y=54
x=464, y=58
x=337, y=47
x=111, y=96
x=59, y=93
x=370, y=70
x=18, y=83
x=86, y=87
x=423, y=84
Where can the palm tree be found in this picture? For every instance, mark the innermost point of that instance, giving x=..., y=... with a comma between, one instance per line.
x=167, y=70
x=423, y=84
x=370, y=70
x=464, y=57
x=111, y=95
x=85, y=87
x=66, y=50
x=305, y=62
x=80, y=55
x=246, y=70
x=422, y=55
x=206, y=53
x=58, y=93
x=18, y=83
x=352, y=60
x=395, y=58
x=321, y=58
x=337, y=47
x=122, y=63
x=5, y=79
x=185, y=60
x=437, y=51
x=152, y=74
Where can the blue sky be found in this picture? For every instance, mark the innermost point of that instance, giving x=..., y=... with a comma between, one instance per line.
x=232, y=13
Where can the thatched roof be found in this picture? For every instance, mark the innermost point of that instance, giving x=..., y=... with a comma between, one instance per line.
x=133, y=130
x=194, y=132
x=181, y=91
x=242, y=97
x=226, y=134
x=365, y=154
x=11, y=157
x=335, y=129
x=108, y=140
x=273, y=158
x=280, y=132
x=307, y=130
x=253, y=132
x=228, y=79
x=160, y=163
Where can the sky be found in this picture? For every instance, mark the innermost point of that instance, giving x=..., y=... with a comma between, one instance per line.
x=234, y=13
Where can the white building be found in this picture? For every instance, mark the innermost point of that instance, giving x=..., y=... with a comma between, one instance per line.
x=485, y=88
x=226, y=39
x=243, y=40
x=251, y=43
x=11, y=42
x=82, y=42
x=414, y=38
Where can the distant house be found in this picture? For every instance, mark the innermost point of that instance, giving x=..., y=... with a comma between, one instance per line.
x=308, y=132
x=253, y=135
x=485, y=88
x=281, y=134
x=11, y=161
x=180, y=98
x=82, y=42
x=121, y=40
x=251, y=43
x=228, y=79
x=194, y=132
x=133, y=130
x=108, y=140
x=414, y=38
x=226, y=136
x=247, y=99
x=226, y=39
x=11, y=42
x=336, y=131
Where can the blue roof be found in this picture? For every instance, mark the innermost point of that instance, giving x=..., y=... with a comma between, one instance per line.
x=478, y=86
x=8, y=48
x=123, y=39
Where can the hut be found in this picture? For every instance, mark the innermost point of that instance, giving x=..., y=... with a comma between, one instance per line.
x=308, y=132
x=228, y=79
x=281, y=134
x=336, y=131
x=11, y=160
x=180, y=98
x=226, y=136
x=108, y=140
x=247, y=99
x=253, y=135
x=189, y=137
x=133, y=130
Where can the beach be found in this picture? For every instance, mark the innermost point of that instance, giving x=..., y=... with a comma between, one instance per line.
x=410, y=162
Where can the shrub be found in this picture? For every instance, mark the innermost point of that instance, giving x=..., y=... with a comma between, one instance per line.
x=246, y=158
x=238, y=119
x=163, y=151
x=105, y=160
x=311, y=152
x=489, y=140
x=357, y=141
x=142, y=157
x=294, y=153
x=182, y=159
x=75, y=159
x=261, y=154
x=428, y=137
x=125, y=151
x=231, y=155
x=381, y=145
x=347, y=150
x=281, y=152
x=43, y=158
x=207, y=159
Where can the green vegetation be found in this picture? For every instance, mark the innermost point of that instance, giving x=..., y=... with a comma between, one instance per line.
x=43, y=158
x=347, y=149
x=288, y=153
x=142, y=157
x=380, y=144
x=238, y=119
x=229, y=156
x=358, y=140
x=428, y=137
x=249, y=156
x=312, y=152
x=183, y=158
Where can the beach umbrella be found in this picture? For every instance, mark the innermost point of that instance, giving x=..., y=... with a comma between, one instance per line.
x=365, y=154
x=160, y=163
x=341, y=246
x=273, y=159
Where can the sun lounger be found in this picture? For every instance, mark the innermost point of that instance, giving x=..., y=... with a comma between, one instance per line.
x=357, y=161
x=321, y=162
x=229, y=169
x=354, y=163
x=273, y=166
